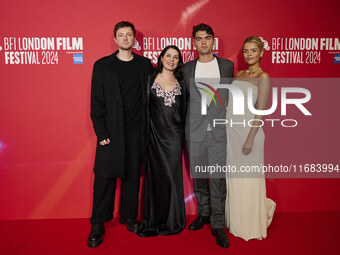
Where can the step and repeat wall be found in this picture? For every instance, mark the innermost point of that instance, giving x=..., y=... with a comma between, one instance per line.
x=47, y=51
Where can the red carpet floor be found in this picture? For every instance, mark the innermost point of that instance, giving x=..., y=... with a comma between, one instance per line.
x=290, y=233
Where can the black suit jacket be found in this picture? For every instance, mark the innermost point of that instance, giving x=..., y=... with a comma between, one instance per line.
x=107, y=113
x=196, y=123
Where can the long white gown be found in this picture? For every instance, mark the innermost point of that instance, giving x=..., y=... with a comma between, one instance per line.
x=248, y=211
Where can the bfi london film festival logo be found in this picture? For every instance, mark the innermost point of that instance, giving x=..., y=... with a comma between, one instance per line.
x=41, y=50
x=136, y=46
x=239, y=104
x=265, y=44
x=153, y=46
x=303, y=50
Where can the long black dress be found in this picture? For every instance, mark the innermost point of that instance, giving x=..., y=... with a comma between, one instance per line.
x=164, y=207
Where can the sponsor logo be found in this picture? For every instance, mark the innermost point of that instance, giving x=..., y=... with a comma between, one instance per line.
x=77, y=58
x=337, y=58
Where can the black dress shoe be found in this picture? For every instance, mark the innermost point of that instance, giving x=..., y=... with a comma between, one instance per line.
x=96, y=235
x=199, y=222
x=221, y=237
x=131, y=224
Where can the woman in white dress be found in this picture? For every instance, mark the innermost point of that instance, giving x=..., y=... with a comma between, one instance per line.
x=248, y=211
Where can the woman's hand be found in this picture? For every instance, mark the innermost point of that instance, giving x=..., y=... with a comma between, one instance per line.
x=247, y=146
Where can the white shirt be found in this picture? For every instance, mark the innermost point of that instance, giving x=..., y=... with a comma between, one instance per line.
x=208, y=73
x=207, y=70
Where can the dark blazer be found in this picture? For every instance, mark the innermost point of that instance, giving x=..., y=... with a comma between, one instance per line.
x=107, y=114
x=196, y=123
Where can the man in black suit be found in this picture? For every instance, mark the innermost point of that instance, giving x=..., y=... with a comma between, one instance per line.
x=118, y=113
x=206, y=144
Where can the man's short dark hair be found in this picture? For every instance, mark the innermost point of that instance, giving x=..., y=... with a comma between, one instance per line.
x=202, y=27
x=124, y=24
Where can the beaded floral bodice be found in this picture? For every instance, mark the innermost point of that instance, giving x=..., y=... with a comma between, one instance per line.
x=169, y=96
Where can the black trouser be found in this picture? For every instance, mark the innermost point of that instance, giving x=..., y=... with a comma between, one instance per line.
x=104, y=188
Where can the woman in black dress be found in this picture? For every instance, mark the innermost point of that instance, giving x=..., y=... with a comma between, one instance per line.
x=164, y=207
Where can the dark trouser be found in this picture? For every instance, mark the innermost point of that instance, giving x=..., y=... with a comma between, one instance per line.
x=209, y=189
x=104, y=188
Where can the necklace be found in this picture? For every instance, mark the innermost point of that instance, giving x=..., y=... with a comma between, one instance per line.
x=251, y=72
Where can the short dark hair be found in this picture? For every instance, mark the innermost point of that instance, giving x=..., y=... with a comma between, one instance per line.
x=202, y=27
x=124, y=24
x=178, y=70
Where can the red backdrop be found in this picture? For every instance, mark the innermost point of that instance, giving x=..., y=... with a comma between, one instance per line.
x=47, y=142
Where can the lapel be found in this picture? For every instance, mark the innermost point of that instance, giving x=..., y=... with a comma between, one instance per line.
x=142, y=78
x=194, y=63
x=151, y=79
x=222, y=73
x=113, y=80
x=192, y=76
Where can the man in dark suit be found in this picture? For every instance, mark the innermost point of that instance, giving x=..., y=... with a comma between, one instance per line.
x=206, y=144
x=118, y=113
